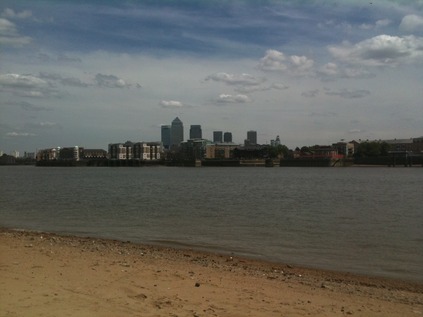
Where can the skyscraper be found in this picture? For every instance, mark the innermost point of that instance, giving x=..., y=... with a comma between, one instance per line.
x=217, y=136
x=176, y=133
x=252, y=137
x=227, y=137
x=165, y=132
x=195, y=132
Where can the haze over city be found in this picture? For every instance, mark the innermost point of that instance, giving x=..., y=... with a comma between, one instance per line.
x=91, y=73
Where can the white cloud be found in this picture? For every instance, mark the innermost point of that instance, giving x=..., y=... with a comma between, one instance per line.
x=171, y=104
x=22, y=81
x=378, y=24
x=11, y=14
x=65, y=81
x=9, y=35
x=48, y=124
x=411, y=23
x=310, y=93
x=251, y=89
x=110, y=81
x=236, y=80
x=383, y=22
x=27, y=86
x=19, y=134
x=301, y=63
x=277, y=61
x=226, y=98
x=273, y=60
x=279, y=86
x=355, y=131
x=332, y=71
x=349, y=94
x=380, y=50
x=329, y=69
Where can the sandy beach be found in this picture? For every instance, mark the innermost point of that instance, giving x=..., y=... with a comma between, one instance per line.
x=43, y=274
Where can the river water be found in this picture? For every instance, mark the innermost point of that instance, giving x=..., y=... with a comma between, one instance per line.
x=362, y=220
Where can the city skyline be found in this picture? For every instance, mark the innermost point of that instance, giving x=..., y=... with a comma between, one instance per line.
x=93, y=73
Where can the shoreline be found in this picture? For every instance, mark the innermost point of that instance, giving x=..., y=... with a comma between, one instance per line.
x=66, y=270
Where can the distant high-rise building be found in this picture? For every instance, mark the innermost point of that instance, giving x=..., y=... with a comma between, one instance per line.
x=252, y=137
x=217, y=137
x=195, y=132
x=176, y=133
x=166, y=136
x=227, y=137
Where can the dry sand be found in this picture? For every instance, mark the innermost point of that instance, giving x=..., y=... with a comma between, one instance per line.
x=45, y=274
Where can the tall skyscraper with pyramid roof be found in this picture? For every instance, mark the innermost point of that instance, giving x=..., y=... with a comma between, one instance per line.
x=176, y=132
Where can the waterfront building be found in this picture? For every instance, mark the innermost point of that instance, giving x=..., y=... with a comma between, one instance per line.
x=220, y=151
x=217, y=137
x=146, y=151
x=194, y=149
x=176, y=133
x=195, y=132
x=227, y=137
x=70, y=153
x=88, y=154
x=165, y=136
x=121, y=151
x=48, y=154
x=344, y=148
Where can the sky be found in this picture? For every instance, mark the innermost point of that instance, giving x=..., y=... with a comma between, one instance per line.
x=90, y=73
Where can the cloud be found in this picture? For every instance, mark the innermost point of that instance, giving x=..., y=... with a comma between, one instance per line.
x=354, y=131
x=301, y=63
x=251, y=89
x=9, y=35
x=110, y=81
x=65, y=81
x=171, y=104
x=26, y=85
x=226, y=99
x=67, y=59
x=26, y=106
x=11, y=14
x=279, y=86
x=47, y=124
x=378, y=24
x=310, y=93
x=332, y=71
x=62, y=58
x=349, y=94
x=277, y=61
x=380, y=50
x=273, y=60
x=19, y=134
x=236, y=80
x=383, y=22
x=411, y=23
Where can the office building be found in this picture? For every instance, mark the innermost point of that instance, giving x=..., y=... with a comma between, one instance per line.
x=227, y=137
x=195, y=132
x=165, y=136
x=217, y=137
x=176, y=133
x=252, y=137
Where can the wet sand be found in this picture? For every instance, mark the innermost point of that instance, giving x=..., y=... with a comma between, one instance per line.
x=43, y=274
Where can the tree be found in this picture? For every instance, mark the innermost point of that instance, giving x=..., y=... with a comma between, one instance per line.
x=372, y=149
x=278, y=151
